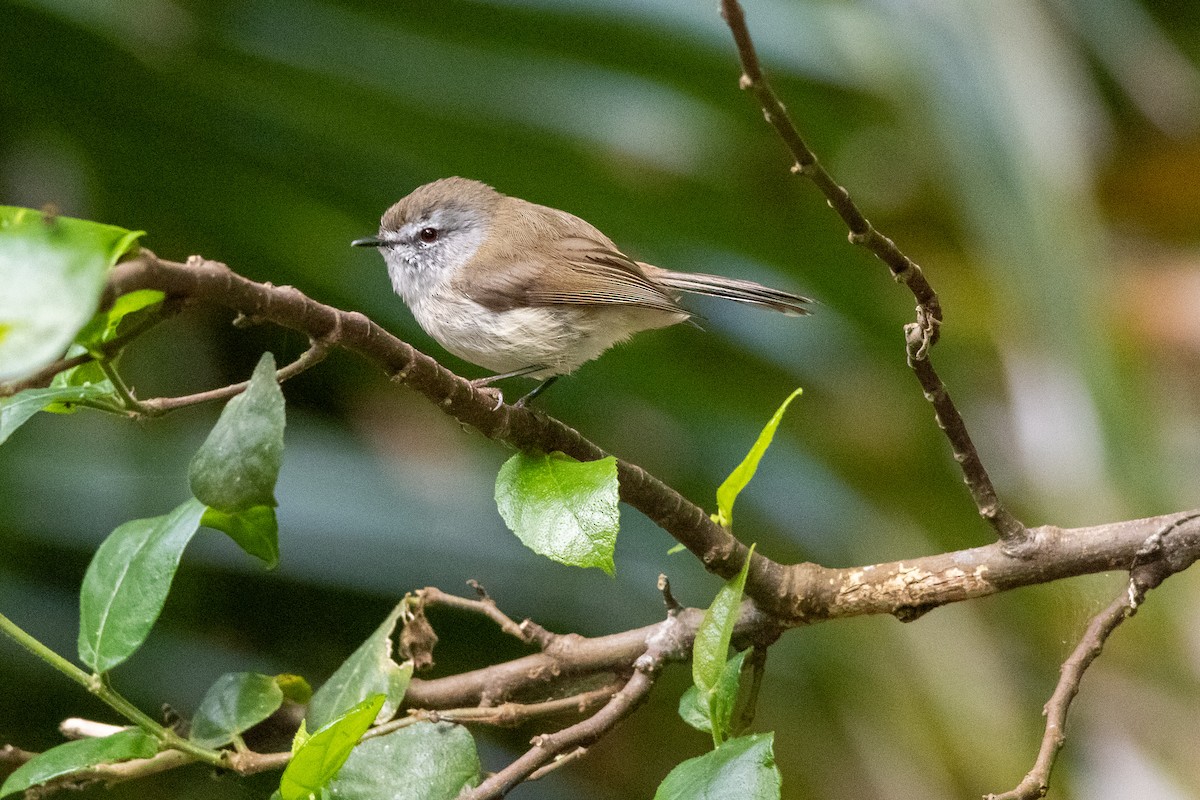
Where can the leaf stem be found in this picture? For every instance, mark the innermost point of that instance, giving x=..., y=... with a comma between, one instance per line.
x=97, y=685
x=127, y=399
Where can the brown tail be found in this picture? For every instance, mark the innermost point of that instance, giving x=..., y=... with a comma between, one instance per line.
x=733, y=289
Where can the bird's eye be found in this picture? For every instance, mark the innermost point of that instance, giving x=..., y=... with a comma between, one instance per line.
x=428, y=235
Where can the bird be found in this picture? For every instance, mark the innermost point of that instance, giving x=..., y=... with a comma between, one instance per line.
x=523, y=289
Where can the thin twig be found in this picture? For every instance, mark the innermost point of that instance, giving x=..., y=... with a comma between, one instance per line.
x=1011, y=532
x=862, y=232
x=527, y=631
x=506, y=715
x=1142, y=578
x=920, y=335
x=548, y=747
x=559, y=761
x=156, y=407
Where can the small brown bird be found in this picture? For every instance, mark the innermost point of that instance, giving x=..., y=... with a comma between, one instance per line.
x=524, y=289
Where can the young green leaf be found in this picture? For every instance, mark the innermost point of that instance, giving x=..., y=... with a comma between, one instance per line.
x=237, y=466
x=561, y=508
x=53, y=271
x=235, y=702
x=255, y=530
x=71, y=757
x=368, y=671
x=89, y=372
x=16, y=410
x=127, y=582
x=742, y=768
x=104, y=326
x=729, y=490
x=716, y=629
x=701, y=709
x=324, y=752
x=426, y=761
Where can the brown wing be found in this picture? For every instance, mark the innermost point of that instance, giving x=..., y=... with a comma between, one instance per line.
x=590, y=273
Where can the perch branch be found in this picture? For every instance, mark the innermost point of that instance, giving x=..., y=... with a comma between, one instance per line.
x=793, y=594
x=524, y=428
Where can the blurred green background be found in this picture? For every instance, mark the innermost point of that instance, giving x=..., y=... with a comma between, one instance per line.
x=1039, y=159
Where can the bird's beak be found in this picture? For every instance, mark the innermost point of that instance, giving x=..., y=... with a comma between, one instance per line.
x=368, y=241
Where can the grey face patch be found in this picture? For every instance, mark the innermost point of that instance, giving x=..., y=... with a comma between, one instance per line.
x=425, y=251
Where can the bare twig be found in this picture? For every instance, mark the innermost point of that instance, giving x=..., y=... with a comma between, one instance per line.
x=862, y=232
x=1011, y=532
x=512, y=715
x=527, y=631
x=1143, y=577
x=921, y=334
x=109, y=349
x=559, y=761
x=158, y=406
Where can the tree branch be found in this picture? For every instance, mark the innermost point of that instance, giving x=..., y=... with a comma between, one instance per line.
x=792, y=595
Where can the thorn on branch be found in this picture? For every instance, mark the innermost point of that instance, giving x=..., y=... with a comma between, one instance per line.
x=669, y=600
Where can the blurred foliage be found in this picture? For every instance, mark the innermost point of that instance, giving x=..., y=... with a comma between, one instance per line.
x=1037, y=158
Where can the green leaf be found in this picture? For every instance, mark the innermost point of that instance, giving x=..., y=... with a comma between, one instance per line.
x=322, y=755
x=89, y=372
x=693, y=709
x=426, y=761
x=255, y=530
x=561, y=508
x=370, y=670
x=742, y=768
x=75, y=756
x=716, y=629
x=53, y=271
x=709, y=666
x=127, y=582
x=237, y=466
x=301, y=737
x=235, y=702
x=729, y=490
x=16, y=410
x=105, y=325
x=700, y=708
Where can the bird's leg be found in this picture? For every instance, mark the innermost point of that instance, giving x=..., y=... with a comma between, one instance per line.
x=480, y=383
x=516, y=373
x=541, y=387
